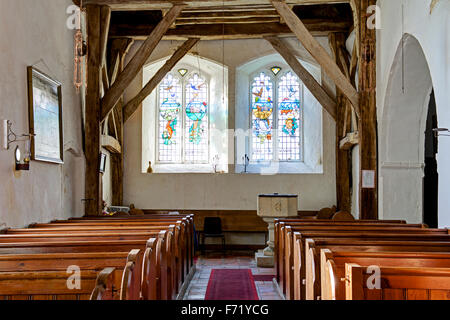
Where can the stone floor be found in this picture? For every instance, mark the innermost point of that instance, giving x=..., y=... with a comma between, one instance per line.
x=233, y=260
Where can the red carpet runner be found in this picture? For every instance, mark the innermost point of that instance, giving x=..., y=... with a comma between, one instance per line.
x=231, y=284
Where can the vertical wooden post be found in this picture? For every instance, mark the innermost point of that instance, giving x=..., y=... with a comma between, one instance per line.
x=368, y=153
x=337, y=43
x=93, y=196
x=119, y=49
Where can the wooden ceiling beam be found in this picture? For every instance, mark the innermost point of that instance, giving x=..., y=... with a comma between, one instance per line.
x=137, y=62
x=318, y=52
x=134, y=104
x=308, y=80
x=196, y=21
x=228, y=14
x=317, y=27
x=162, y=4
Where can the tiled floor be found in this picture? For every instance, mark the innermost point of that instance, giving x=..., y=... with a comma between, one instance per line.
x=233, y=260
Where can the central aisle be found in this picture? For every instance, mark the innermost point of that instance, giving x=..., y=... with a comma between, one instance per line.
x=236, y=260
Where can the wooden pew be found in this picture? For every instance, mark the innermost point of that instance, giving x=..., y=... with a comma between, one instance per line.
x=399, y=284
x=281, y=224
x=134, y=222
x=127, y=285
x=45, y=285
x=103, y=285
x=93, y=235
x=151, y=272
x=333, y=266
x=174, y=254
x=181, y=238
x=314, y=266
x=354, y=233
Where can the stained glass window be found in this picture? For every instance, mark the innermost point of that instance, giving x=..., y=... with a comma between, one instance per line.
x=262, y=118
x=196, y=129
x=288, y=118
x=183, y=120
x=276, y=117
x=170, y=105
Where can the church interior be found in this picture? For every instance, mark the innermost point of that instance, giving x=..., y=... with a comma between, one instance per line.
x=225, y=150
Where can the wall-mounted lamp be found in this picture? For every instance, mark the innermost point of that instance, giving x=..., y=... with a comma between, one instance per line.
x=439, y=132
x=8, y=137
x=25, y=166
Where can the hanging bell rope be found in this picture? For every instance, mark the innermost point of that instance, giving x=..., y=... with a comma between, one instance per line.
x=79, y=53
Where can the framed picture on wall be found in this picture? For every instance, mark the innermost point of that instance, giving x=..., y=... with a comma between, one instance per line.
x=45, y=114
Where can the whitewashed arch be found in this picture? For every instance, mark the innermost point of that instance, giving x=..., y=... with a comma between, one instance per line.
x=402, y=133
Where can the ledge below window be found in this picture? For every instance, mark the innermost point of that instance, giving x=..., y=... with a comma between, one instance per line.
x=187, y=168
x=273, y=168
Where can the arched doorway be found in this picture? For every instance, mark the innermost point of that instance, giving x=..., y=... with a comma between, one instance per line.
x=431, y=178
x=402, y=139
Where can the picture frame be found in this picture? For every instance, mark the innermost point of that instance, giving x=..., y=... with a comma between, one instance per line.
x=45, y=117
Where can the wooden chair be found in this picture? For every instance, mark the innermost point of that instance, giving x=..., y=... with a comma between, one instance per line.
x=212, y=229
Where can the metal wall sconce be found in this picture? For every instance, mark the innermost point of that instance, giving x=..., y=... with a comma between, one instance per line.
x=8, y=137
x=439, y=132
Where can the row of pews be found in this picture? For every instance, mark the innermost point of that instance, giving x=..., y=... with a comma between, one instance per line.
x=361, y=260
x=103, y=258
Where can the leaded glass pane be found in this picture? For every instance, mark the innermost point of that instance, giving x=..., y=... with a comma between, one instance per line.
x=289, y=118
x=197, y=122
x=170, y=100
x=262, y=118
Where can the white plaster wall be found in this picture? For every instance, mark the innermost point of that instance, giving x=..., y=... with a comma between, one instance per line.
x=431, y=31
x=31, y=31
x=223, y=191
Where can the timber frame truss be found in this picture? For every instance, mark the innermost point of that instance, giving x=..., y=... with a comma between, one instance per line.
x=113, y=25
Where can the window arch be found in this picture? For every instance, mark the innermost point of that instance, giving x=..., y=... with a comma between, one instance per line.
x=183, y=113
x=276, y=117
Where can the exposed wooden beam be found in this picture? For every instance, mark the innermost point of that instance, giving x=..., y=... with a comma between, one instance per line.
x=318, y=52
x=105, y=18
x=368, y=152
x=105, y=79
x=313, y=86
x=138, y=61
x=228, y=14
x=356, y=9
x=354, y=63
x=343, y=168
x=132, y=106
x=259, y=20
x=93, y=194
x=118, y=50
x=317, y=27
x=197, y=4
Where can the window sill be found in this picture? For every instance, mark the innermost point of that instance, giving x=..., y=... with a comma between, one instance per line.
x=185, y=168
x=275, y=168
